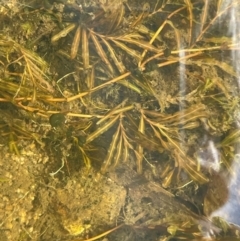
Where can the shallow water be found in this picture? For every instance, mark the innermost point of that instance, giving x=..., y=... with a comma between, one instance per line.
x=131, y=102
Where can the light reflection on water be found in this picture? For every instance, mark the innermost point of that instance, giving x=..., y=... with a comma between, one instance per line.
x=234, y=32
x=230, y=211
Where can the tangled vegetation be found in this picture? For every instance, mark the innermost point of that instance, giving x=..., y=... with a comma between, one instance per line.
x=119, y=83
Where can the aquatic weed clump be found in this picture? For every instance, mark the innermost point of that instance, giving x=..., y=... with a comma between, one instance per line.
x=116, y=83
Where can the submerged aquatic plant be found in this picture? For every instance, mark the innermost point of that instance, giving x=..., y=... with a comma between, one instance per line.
x=140, y=84
x=108, y=46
